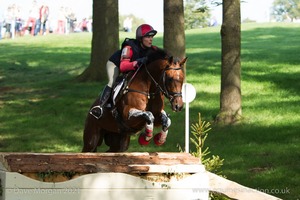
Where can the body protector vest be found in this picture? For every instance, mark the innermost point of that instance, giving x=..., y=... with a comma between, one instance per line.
x=138, y=51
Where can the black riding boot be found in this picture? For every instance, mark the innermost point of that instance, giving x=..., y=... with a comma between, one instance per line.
x=97, y=111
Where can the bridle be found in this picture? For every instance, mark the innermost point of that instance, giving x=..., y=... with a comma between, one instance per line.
x=164, y=90
x=170, y=95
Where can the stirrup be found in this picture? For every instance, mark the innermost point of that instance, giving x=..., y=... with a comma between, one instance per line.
x=96, y=114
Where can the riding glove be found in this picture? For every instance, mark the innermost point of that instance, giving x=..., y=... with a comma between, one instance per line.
x=141, y=61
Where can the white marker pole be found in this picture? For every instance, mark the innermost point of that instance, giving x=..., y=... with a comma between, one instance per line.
x=187, y=125
x=189, y=94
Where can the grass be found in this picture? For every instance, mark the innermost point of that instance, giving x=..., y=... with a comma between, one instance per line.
x=42, y=108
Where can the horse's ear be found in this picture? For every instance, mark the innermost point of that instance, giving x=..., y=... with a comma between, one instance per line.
x=183, y=61
x=171, y=59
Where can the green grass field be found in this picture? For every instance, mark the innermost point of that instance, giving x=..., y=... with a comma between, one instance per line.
x=43, y=108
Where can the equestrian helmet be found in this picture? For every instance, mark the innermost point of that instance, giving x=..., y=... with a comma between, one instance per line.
x=145, y=30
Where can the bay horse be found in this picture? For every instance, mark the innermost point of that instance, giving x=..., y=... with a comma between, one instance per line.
x=140, y=104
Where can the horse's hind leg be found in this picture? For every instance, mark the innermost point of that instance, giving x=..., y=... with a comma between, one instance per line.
x=90, y=144
x=117, y=142
x=91, y=136
x=160, y=138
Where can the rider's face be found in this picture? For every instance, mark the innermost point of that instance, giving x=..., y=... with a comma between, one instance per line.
x=147, y=41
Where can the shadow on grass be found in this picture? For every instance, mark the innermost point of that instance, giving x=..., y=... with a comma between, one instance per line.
x=259, y=156
x=272, y=51
x=42, y=107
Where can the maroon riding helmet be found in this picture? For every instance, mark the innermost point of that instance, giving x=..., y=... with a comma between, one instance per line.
x=144, y=30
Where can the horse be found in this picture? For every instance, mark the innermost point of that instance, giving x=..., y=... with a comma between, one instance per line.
x=140, y=104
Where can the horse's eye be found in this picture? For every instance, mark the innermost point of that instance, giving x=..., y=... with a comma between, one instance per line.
x=169, y=79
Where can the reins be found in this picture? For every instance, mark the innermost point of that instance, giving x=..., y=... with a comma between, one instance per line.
x=127, y=89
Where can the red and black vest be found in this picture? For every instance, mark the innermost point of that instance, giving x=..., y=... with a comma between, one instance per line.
x=138, y=51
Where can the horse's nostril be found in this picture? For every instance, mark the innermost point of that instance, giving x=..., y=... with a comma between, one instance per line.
x=177, y=108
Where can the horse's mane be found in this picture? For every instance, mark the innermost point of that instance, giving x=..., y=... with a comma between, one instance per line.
x=157, y=54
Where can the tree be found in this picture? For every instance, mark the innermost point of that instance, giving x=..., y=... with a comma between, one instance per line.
x=286, y=10
x=174, y=35
x=196, y=14
x=105, y=39
x=230, y=98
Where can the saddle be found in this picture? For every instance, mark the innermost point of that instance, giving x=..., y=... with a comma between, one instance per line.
x=119, y=88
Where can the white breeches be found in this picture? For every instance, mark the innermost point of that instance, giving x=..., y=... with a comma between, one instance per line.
x=112, y=72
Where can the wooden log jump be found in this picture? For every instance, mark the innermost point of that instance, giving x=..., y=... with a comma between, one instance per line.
x=111, y=176
x=101, y=162
x=101, y=170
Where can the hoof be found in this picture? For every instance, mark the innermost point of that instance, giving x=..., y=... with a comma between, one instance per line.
x=142, y=139
x=158, y=140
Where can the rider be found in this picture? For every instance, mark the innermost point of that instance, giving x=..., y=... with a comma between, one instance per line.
x=131, y=56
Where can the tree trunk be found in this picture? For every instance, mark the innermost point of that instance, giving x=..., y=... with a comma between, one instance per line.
x=230, y=100
x=174, y=35
x=105, y=40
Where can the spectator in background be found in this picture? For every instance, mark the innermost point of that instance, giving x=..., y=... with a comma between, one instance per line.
x=18, y=22
x=70, y=16
x=33, y=16
x=61, y=21
x=1, y=23
x=44, y=14
x=127, y=24
x=213, y=22
x=9, y=20
x=90, y=25
x=72, y=22
x=18, y=27
x=84, y=25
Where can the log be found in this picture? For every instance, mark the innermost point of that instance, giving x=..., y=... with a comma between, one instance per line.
x=101, y=162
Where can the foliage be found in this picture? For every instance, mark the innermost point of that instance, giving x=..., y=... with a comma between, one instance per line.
x=214, y=163
x=216, y=2
x=199, y=134
x=286, y=10
x=196, y=14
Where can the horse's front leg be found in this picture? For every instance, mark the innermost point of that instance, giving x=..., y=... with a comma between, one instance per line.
x=160, y=138
x=144, y=138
